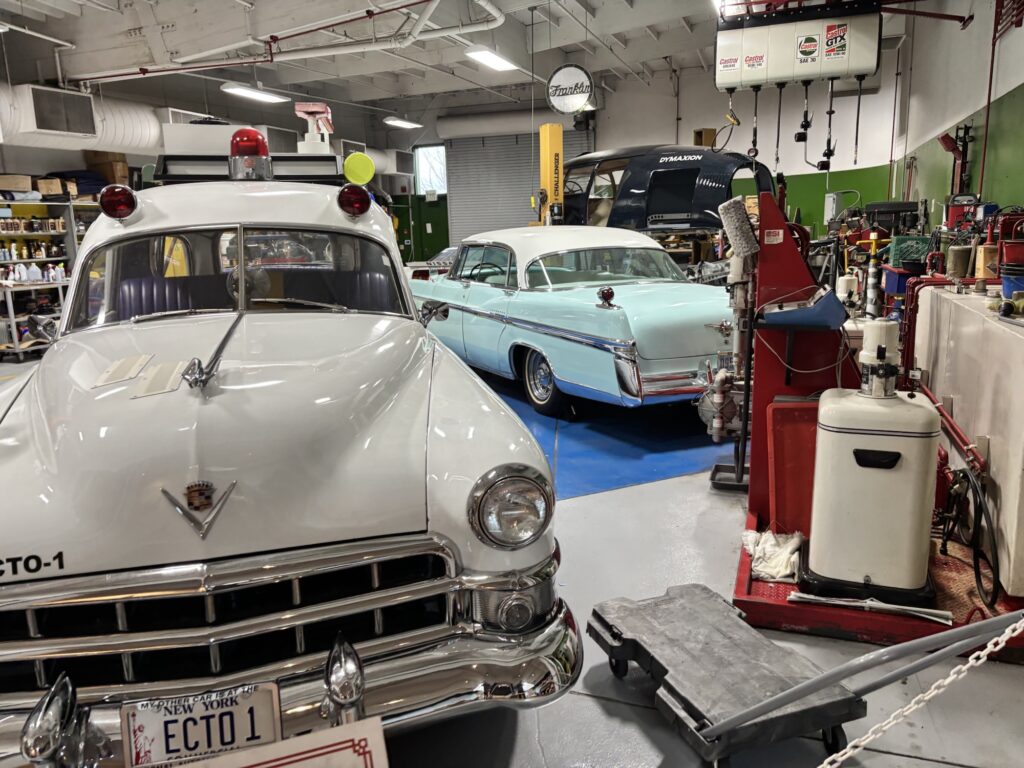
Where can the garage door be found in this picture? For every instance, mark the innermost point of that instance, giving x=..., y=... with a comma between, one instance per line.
x=490, y=180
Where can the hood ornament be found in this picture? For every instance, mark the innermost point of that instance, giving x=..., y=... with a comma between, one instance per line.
x=199, y=499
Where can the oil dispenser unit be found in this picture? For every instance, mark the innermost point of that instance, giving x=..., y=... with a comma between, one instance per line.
x=874, y=484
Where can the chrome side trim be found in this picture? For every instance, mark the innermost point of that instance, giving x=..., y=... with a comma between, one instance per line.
x=219, y=576
x=625, y=347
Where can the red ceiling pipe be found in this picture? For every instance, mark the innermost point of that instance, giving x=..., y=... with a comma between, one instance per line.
x=369, y=15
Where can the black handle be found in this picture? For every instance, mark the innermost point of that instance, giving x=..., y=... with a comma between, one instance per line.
x=872, y=459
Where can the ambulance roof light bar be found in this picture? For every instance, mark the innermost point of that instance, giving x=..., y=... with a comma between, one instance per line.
x=249, y=159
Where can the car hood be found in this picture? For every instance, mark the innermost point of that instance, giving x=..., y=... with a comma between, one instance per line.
x=667, y=319
x=318, y=420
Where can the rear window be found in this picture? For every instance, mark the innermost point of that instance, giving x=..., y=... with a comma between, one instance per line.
x=670, y=194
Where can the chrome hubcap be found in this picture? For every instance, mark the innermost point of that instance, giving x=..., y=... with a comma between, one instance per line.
x=540, y=378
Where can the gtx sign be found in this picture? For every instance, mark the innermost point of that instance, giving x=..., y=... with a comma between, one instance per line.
x=570, y=89
x=836, y=40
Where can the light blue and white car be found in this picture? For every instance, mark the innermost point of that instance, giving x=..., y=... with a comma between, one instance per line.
x=599, y=313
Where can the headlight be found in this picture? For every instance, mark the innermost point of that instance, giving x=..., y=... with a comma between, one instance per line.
x=511, y=506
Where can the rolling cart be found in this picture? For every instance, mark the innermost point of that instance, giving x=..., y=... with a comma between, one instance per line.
x=727, y=688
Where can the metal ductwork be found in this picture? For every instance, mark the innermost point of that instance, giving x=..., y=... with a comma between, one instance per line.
x=120, y=126
x=497, y=123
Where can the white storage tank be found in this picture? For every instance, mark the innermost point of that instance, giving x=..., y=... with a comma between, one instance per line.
x=874, y=485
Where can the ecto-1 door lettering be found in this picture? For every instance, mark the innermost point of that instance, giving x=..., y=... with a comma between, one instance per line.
x=23, y=565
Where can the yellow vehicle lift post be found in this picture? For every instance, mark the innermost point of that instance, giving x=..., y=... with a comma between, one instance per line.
x=551, y=208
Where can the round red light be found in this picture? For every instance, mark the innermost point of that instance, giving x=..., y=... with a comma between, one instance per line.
x=354, y=200
x=118, y=201
x=248, y=142
x=606, y=294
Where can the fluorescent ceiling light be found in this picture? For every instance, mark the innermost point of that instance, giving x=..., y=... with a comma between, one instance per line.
x=489, y=58
x=256, y=94
x=4, y=28
x=398, y=122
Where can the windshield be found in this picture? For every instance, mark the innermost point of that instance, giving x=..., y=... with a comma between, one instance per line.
x=171, y=273
x=602, y=265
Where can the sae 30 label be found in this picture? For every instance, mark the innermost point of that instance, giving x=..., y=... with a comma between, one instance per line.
x=807, y=48
x=837, y=40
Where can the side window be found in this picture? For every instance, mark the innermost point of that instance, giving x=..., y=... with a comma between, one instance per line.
x=604, y=190
x=493, y=269
x=96, y=302
x=469, y=262
x=513, y=273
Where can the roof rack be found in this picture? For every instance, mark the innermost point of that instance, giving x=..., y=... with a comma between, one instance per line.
x=315, y=169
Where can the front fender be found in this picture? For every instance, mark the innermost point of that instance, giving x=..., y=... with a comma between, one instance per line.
x=470, y=430
x=9, y=390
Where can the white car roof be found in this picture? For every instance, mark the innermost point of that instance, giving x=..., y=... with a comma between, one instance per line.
x=530, y=243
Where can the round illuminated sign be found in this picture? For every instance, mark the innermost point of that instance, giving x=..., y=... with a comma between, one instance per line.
x=570, y=89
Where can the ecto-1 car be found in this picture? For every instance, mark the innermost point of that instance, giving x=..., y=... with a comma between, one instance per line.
x=599, y=313
x=248, y=495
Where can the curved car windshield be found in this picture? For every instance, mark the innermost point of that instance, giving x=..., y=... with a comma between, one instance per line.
x=602, y=265
x=182, y=273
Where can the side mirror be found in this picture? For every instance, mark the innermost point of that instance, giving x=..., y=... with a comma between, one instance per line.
x=433, y=310
x=40, y=327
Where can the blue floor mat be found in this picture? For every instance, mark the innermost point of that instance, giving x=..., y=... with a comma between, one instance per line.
x=606, y=447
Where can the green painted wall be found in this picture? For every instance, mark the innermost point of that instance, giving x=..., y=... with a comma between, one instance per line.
x=1004, y=167
x=806, y=191
x=415, y=242
x=1003, y=173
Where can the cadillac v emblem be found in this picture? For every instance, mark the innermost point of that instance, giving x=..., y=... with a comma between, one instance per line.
x=199, y=499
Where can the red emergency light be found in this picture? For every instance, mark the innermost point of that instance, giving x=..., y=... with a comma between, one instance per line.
x=249, y=159
x=118, y=201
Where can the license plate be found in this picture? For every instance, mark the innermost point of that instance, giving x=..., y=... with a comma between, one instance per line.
x=186, y=728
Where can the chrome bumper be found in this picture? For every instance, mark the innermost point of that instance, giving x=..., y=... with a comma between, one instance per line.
x=464, y=669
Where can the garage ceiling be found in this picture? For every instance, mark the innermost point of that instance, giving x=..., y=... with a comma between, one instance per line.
x=320, y=46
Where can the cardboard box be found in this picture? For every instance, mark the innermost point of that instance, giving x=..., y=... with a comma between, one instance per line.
x=71, y=187
x=704, y=137
x=114, y=172
x=15, y=183
x=48, y=187
x=96, y=158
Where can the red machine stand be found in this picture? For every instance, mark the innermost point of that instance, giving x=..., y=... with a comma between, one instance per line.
x=791, y=365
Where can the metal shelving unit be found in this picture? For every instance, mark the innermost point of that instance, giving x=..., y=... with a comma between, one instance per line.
x=9, y=341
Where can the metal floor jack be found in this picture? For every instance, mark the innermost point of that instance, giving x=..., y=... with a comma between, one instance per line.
x=727, y=688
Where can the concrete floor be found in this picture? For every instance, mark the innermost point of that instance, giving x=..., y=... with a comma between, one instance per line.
x=636, y=541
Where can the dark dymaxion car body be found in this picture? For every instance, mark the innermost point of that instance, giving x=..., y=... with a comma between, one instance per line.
x=656, y=187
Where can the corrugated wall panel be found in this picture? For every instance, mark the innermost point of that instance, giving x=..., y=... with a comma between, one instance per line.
x=490, y=180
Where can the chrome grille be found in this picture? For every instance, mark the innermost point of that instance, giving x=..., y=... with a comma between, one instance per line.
x=223, y=618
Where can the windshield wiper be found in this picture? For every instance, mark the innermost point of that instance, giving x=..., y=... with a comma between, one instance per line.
x=176, y=313
x=305, y=303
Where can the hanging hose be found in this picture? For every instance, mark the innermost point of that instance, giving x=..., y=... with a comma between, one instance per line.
x=856, y=125
x=778, y=125
x=805, y=124
x=830, y=149
x=752, y=152
x=731, y=121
